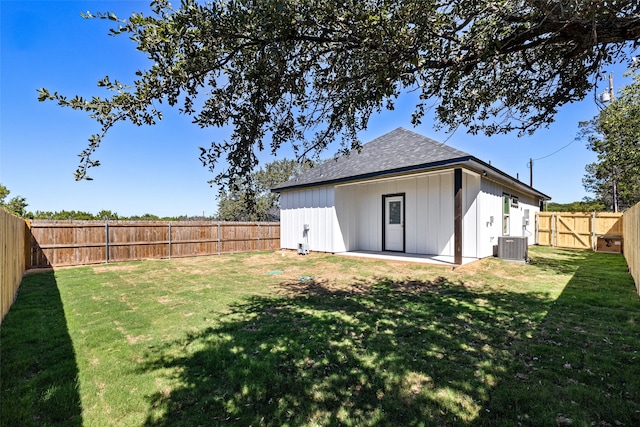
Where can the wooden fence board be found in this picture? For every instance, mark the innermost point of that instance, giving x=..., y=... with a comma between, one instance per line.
x=65, y=243
x=571, y=231
x=14, y=234
x=576, y=230
x=631, y=233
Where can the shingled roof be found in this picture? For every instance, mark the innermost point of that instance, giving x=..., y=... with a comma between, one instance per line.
x=397, y=152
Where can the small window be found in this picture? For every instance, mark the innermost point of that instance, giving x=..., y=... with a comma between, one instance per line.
x=514, y=202
x=395, y=212
x=506, y=208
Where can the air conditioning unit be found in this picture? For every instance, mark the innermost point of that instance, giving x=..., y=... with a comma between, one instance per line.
x=513, y=248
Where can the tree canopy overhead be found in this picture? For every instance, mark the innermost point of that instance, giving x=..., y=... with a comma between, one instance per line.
x=309, y=72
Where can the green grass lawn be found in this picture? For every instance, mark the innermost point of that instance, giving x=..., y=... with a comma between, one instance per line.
x=241, y=340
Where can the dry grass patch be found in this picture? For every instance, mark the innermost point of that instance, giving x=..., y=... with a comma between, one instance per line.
x=122, y=267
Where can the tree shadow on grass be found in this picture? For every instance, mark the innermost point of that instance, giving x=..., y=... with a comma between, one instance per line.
x=580, y=367
x=379, y=353
x=564, y=261
x=38, y=366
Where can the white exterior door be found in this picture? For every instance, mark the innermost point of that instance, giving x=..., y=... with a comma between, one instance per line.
x=394, y=223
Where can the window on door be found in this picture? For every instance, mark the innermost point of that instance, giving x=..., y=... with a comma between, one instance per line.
x=395, y=213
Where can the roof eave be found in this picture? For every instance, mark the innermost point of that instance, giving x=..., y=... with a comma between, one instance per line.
x=471, y=162
x=487, y=170
x=374, y=175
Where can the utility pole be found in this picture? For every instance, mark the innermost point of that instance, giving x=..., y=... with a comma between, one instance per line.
x=610, y=97
x=530, y=172
x=615, y=191
x=615, y=180
x=611, y=94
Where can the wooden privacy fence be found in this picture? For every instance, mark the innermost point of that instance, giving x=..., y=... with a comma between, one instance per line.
x=66, y=243
x=14, y=245
x=577, y=230
x=632, y=242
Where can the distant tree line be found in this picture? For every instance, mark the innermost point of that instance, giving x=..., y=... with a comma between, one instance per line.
x=18, y=204
x=249, y=199
x=586, y=205
x=104, y=215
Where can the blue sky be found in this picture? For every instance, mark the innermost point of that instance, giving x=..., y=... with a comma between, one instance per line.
x=156, y=169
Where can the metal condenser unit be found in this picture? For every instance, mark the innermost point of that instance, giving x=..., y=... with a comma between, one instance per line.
x=513, y=248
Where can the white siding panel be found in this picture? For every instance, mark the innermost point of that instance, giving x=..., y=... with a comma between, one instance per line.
x=363, y=217
x=346, y=218
x=307, y=207
x=367, y=216
x=374, y=212
x=343, y=235
x=408, y=187
x=433, y=214
x=470, y=231
x=490, y=199
x=490, y=205
x=428, y=217
x=349, y=217
x=284, y=217
x=526, y=228
x=422, y=214
x=445, y=223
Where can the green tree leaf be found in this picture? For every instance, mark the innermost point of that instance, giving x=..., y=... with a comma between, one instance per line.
x=614, y=135
x=309, y=73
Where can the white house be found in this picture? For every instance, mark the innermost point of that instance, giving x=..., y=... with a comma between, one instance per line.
x=406, y=193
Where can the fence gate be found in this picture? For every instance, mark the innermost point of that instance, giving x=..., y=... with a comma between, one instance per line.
x=576, y=230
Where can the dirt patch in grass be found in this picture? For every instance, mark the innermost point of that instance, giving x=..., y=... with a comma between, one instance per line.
x=115, y=268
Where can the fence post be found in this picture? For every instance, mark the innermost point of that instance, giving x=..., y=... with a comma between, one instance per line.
x=258, y=237
x=169, y=239
x=593, y=231
x=553, y=229
x=219, y=243
x=27, y=244
x=106, y=241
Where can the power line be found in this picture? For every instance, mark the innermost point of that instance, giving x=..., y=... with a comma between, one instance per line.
x=558, y=150
x=530, y=162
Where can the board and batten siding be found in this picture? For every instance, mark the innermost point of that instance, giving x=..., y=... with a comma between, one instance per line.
x=471, y=228
x=428, y=213
x=314, y=207
x=490, y=205
x=348, y=217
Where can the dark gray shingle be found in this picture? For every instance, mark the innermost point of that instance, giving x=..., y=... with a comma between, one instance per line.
x=395, y=151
